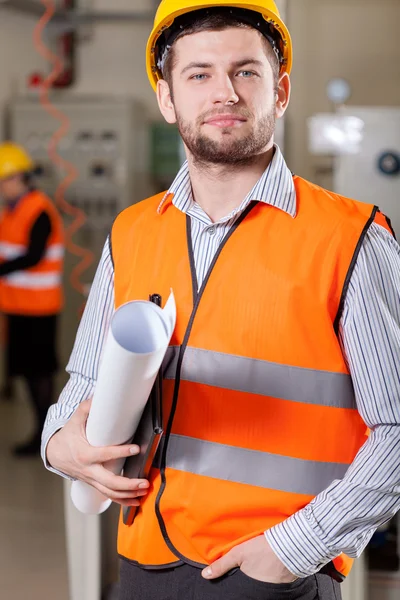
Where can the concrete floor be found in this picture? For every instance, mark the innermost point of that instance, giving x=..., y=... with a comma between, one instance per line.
x=384, y=589
x=33, y=564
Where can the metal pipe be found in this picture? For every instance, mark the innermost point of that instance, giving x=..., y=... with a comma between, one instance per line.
x=75, y=18
x=26, y=6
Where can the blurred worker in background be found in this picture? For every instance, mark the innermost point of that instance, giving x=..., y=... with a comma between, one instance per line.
x=7, y=390
x=31, y=297
x=287, y=344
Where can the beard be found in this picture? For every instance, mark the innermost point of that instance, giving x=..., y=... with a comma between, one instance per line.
x=230, y=150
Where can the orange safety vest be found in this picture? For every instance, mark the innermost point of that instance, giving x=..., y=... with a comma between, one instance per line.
x=260, y=413
x=36, y=291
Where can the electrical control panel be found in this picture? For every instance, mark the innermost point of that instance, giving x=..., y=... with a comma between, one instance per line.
x=107, y=143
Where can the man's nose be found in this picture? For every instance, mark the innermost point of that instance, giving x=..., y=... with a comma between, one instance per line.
x=224, y=92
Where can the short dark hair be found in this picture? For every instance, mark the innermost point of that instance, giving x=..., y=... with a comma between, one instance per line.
x=217, y=21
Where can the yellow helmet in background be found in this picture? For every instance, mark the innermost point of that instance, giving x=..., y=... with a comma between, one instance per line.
x=169, y=10
x=14, y=160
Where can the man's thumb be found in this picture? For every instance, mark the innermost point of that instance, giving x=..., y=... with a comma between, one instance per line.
x=83, y=410
x=220, y=566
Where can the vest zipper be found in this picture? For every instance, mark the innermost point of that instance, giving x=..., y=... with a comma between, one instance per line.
x=197, y=296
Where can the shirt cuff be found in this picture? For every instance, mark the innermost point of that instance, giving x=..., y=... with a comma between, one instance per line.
x=298, y=544
x=47, y=434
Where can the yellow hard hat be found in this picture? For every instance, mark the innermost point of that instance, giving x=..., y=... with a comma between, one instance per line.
x=13, y=160
x=169, y=10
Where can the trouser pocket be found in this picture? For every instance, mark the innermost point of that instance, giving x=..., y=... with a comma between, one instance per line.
x=252, y=589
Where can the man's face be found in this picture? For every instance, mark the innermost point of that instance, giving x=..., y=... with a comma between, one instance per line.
x=224, y=97
x=11, y=188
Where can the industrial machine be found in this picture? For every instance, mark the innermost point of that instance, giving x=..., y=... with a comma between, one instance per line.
x=106, y=142
x=372, y=173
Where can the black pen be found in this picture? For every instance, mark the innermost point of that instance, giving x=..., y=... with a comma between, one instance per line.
x=156, y=393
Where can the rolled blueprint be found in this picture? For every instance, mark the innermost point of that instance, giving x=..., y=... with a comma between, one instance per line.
x=137, y=341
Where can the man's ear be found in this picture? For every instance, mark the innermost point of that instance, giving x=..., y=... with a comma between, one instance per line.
x=283, y=95
x=164, y=99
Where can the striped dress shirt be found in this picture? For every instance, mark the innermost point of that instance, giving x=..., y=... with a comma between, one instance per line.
x=343, y=517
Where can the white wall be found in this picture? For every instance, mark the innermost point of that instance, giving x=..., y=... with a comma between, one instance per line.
x=17, y=56
x=112, y=61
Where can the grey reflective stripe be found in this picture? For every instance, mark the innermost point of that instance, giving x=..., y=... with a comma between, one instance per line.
x=54, y=252
x=261, y=469
x=254, y=376
x=34, y=281
x=10, y=251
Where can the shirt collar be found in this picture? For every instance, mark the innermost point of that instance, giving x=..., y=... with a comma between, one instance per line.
x=275, y=187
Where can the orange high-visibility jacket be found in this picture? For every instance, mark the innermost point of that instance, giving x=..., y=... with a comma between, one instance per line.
x=260, y=413
x=36, y=291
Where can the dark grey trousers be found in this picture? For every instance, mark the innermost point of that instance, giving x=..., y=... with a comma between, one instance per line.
x=186, y=583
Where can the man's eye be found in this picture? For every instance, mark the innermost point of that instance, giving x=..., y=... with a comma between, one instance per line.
x=199, y=77
x=246, y=74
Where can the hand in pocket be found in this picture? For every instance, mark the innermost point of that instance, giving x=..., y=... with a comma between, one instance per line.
x=256, y=559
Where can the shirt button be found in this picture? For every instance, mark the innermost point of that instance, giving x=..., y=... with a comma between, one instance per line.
x=211, y=231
